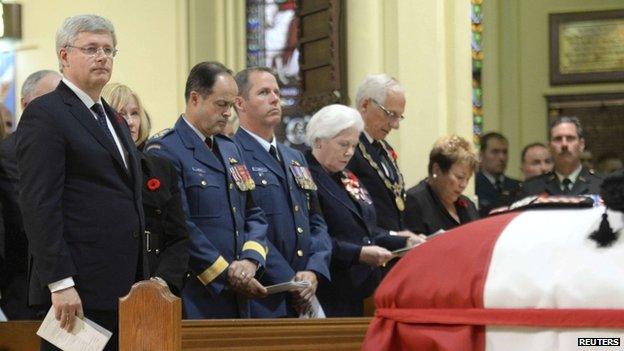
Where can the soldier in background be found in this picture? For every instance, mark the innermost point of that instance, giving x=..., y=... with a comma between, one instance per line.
x=493, y=187
x=569, y=177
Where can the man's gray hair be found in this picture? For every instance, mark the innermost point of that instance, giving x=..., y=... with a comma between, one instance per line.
x=376, y=86
x=330, y=121
x=28, y=88
x=567, y=119
x=72, y=26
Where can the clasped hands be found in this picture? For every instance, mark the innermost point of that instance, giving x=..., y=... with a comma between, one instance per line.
x=241, y=278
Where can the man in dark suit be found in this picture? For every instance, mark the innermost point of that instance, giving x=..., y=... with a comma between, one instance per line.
x=494, y=189
x=568, y=177
x=381, y=102
x=227, y=230
x=299, y=245
x=80, y=186
x=14, y=289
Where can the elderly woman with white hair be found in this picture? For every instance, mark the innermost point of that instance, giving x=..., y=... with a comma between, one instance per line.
x=359, y=246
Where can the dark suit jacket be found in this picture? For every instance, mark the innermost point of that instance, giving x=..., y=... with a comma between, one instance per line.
x=351, y=225
x=586, y=183
x=82, y=208
x=490, y=198
x=388, y=215
x=166, y=233
x=12, y=228
x=13, y=272
x=426, y=214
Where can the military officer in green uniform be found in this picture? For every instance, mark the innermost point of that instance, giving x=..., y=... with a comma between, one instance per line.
x=568, y=177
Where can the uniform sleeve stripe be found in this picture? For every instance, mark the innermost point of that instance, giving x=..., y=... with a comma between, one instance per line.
x=213, y=271
x=252, y=245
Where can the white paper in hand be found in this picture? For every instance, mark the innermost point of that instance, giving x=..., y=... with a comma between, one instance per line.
x=86, y=335
x=315, y=311
x=287, y=286
x=3, y=317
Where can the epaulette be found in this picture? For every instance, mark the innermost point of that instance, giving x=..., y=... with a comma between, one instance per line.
x=161, y=134
x=593, y=173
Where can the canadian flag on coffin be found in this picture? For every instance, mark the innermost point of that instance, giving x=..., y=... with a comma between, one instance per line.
x=527, y=280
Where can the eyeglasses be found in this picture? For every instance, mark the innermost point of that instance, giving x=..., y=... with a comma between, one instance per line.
x=391, y=115
x=92, y=51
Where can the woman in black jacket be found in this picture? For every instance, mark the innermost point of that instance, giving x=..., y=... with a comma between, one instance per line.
x=436, y=204
x=359, y=247
x=166, y=234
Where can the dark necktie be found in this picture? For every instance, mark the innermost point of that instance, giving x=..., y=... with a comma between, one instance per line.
x=498, y=185
x=99, y=111
x=384, y=160
x=273, y=152
x=567, y=184
x=209, y=143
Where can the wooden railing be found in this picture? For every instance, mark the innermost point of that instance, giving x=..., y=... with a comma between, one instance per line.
x=150, y=319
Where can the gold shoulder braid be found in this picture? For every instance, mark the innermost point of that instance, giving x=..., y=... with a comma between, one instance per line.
x=395, y=188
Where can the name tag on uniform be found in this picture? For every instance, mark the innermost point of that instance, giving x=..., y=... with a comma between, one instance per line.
x=198, y=170
x=259, y=169
x=302, y=175
x=242, y=178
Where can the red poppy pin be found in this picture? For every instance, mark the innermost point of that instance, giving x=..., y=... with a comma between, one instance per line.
x=393, y=153
x=461, y=203
x=118, y=117
x=153, y=184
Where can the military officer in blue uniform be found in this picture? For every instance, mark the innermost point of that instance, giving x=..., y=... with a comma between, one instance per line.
x=493, y=188
x=227, y=230
x=299, y=245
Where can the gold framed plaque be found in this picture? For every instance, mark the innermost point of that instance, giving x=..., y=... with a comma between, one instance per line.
x=586, y=47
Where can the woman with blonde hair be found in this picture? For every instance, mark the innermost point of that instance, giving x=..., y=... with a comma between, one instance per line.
x=128, y=104
x=437, y=203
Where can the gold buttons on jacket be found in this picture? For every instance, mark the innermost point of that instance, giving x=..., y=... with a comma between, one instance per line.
x=296, y=208
x=300, y=253
x=234, y=209
x=158, y=211
x=299, y=230
x=231, y=186
x=203, y=183
x=264, y=182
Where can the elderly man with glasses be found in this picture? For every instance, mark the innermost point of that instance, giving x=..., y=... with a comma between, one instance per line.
x=80, y=186
x=380, y=100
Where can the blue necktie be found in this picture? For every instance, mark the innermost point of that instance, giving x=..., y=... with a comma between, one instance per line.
x=99, y=111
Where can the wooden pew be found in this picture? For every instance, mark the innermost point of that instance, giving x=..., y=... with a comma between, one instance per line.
x=337, y=334
x=19, y=336
x=150, y=319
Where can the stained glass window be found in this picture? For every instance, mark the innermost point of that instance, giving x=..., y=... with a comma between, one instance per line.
x=272, y=42
x=476, y=15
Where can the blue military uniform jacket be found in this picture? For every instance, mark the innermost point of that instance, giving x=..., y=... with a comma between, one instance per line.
x=224, y=224
x=297, y=237
x=490, y=198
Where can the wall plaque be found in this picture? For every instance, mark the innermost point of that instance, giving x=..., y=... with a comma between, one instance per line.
x=587, y=47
